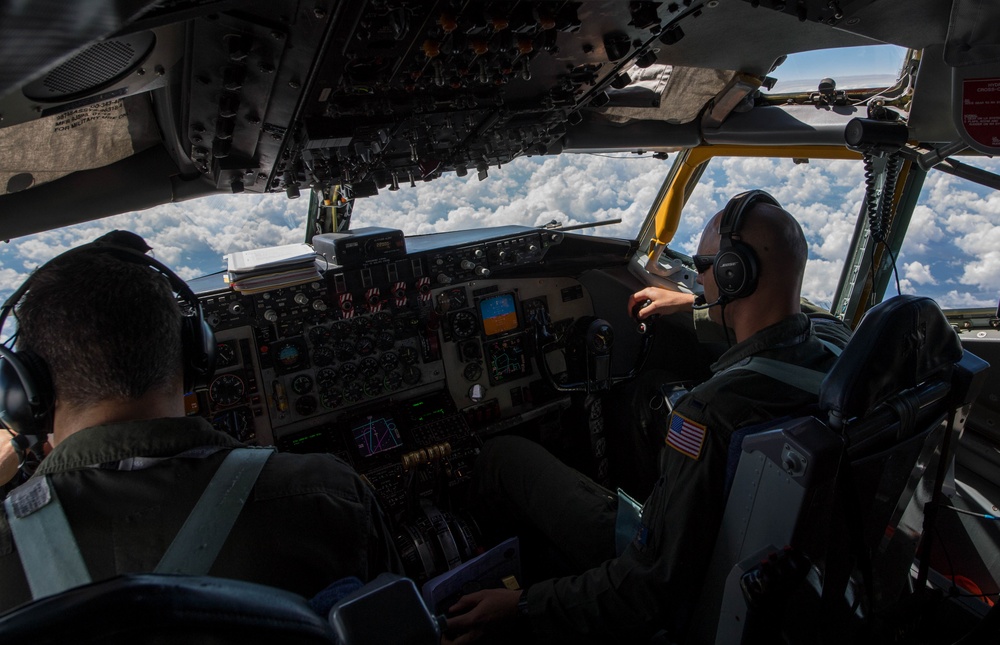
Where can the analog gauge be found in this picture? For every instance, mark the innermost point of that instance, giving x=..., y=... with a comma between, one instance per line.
x=226, y=390
x=389, y=361
x=225, y=355
x=289, y=356
x=473, y=371
x=382, y=320
x=362, y=325
x=306, y=405
x=393, y=381
x=345, y=351
x=326, y=377
x=319, y=335
x=463, y=324
x=408, y=355
x=471, y=351
x=385, y=340
x=340, y=330
x=302, y=384
x=406, y=324
x=365, y=346
x=369, y=367
x=412, y=375
x=457, y=298
x=331, y=397
x=323, y=355
x=348, y=371
x=373, y=385
x=354, y=391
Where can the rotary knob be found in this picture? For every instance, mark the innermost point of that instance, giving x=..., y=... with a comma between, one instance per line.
x=271, y=315
x=301, y=298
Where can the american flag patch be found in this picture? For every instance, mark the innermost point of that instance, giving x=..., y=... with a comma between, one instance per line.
x=685, y=436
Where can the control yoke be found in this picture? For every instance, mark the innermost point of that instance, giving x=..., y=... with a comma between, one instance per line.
x=587, y=346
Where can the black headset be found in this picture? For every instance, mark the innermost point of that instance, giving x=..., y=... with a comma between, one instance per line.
x=735, y=268
x=26, y=392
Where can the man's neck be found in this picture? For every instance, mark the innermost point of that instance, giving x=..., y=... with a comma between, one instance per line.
x=748, y=320
x=153, y=405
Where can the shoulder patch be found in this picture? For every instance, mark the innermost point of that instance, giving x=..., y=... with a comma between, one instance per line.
x=686, y=436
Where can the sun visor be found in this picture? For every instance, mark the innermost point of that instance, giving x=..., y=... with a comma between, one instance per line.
x=40, y=151
x=665, y=93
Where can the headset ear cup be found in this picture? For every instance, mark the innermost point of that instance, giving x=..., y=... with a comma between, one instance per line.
x=735, y=270
x=24, y=375
x=199, y=352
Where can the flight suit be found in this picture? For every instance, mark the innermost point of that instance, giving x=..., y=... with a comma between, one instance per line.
x=127, y=488
x=655, y=583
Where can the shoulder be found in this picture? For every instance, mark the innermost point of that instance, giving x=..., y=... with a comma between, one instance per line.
x=287, y=474
x=831, y=329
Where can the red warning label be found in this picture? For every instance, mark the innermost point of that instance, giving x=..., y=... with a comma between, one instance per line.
x=981, y=110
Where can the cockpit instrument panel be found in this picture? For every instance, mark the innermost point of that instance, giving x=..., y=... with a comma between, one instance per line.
x=499, y=314
x=507, y=359
x=375, y=433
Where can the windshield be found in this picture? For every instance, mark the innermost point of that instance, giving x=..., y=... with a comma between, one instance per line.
x=850, y=67
x=947, y=254
x=192, y=236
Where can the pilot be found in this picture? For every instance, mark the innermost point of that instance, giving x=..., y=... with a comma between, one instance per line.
x=128, y=465
x=651, y=580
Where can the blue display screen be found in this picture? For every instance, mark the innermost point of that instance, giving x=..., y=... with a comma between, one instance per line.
x=499, y=314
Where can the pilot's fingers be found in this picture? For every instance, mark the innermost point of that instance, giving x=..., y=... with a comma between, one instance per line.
x=466, y=602
x=668, y=302
x=649, y=293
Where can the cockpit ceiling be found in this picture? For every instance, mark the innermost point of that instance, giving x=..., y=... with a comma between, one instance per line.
x=268, y=96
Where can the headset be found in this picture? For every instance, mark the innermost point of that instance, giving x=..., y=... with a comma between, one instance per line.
x=735, y=268
x=26, y=392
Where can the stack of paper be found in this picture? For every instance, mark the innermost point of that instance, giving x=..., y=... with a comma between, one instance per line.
x=271, y=268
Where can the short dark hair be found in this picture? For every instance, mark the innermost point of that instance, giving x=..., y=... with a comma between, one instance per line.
x=107, y=329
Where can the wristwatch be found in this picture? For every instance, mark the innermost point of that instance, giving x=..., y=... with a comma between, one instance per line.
x=522, y=604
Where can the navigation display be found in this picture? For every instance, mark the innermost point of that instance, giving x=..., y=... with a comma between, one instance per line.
x=498, y=313
x=375, y=434
x=506, y=360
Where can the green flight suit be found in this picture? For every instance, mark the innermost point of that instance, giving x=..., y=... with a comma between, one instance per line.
x=654, y=584
x=126, y=489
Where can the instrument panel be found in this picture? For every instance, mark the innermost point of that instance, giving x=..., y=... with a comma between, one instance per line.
x=393, y=364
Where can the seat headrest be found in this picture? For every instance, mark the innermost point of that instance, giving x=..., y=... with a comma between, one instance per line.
x=899, y=344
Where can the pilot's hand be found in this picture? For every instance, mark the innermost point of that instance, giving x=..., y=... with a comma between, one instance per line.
x=477, y=612
x=661, y=302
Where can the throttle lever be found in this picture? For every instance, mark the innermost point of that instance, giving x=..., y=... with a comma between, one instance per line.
x=642, y=325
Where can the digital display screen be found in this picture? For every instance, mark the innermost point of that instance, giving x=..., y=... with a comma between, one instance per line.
x=499, y=314
x=375, y=434
x=426, y=411
x=506, y=359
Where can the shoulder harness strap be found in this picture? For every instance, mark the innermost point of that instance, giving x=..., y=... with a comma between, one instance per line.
x=803, y=378
x=51, y=558
x=49, y=554
x=205, y=530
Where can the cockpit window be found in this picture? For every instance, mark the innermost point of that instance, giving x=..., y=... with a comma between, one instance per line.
x=568, y=190
x=876, y=66
x=824, y=195
x=192, y=236
x=951, y=251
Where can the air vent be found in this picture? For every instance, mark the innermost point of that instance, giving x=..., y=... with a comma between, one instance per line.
x=93, y=69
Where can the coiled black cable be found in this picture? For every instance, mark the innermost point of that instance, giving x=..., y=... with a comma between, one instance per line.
x=879, y=214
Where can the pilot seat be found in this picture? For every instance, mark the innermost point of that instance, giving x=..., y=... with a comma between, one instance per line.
x=826, y=533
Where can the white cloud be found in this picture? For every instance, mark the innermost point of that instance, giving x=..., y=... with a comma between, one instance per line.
x=919, y=273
